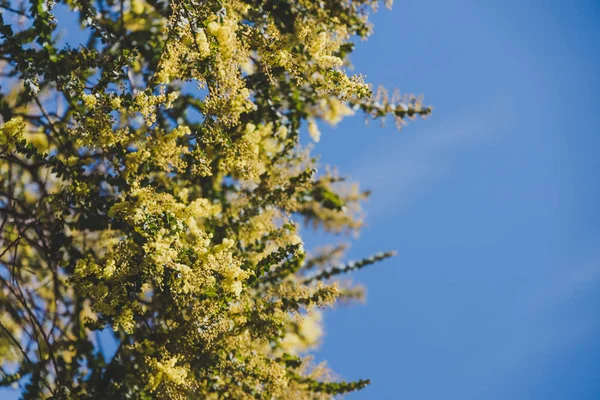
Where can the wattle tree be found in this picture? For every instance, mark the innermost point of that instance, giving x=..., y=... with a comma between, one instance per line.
x=152, y=181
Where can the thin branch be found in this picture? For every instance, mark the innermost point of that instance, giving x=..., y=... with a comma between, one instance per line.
x=14, y=10
x=14, y=242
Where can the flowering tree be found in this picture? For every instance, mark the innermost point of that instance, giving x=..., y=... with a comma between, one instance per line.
x=170, y=214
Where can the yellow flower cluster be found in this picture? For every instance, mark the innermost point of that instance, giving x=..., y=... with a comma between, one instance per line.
x=304, y=334
x=89, y=100
x=147, y=104
x=11, y=133
x=166, y=371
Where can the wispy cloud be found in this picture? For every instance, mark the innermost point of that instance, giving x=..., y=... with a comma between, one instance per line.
x=563, y=285
x=398, y=175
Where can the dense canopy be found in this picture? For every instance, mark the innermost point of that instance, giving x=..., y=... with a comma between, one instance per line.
x=153, y=182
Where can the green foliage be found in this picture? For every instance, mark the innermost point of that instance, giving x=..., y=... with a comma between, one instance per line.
x=172, y=215
x=351, y=266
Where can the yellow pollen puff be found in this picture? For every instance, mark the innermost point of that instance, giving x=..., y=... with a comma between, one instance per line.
x=89, y=100
x=12, y=132
x=313, y=130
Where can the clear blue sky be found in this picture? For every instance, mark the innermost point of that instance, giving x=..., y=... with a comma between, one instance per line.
x=491, y=204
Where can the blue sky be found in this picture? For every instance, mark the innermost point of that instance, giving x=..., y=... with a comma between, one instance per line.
x=490, y=203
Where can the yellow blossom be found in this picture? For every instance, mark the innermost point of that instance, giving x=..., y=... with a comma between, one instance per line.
x=12, y=132
x=313, y=131
x=89, y=100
